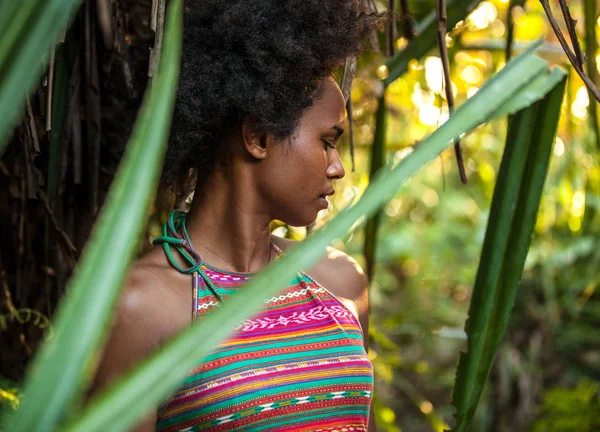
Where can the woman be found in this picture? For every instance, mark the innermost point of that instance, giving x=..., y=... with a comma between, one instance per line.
x=257, y=120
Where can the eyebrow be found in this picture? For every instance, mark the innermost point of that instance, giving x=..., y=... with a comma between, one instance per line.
x=339, y=130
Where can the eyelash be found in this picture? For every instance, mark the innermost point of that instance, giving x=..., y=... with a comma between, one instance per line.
x=328, y=144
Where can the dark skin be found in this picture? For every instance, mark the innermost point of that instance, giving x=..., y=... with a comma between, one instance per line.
x=229, y=225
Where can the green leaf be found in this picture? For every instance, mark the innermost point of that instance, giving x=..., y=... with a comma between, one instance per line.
x=124, y=403
x=60, y=370
x=29, y=30
x=377, y=162
x=512, y=219
x=542, y=84
x=426, y=37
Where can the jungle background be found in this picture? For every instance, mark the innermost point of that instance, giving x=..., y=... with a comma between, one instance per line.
x=546, y=376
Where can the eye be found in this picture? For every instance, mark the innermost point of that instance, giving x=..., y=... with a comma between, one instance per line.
x=329, y=144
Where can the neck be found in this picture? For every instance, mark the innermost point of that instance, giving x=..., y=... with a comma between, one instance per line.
x=228, y=225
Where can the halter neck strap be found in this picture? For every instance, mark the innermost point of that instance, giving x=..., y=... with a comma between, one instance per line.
x=183, y=244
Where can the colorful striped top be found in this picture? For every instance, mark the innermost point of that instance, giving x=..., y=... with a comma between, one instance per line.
x=297, y=365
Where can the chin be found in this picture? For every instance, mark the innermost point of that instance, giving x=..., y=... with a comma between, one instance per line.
x=299, y=221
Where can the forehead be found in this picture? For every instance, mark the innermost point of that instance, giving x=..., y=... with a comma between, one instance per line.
x=329, y=109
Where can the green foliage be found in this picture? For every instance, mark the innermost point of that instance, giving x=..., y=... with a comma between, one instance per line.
x=29, y=31
x=124, y=403
x=512, y=219
x=426, y=40
x=10, y=395
x=566, y=410
x=431, y=236
x=62, y=368
x=60, y=371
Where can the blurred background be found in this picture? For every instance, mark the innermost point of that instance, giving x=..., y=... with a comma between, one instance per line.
x=546, y=376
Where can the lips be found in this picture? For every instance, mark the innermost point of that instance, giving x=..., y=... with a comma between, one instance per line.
x=323, y=199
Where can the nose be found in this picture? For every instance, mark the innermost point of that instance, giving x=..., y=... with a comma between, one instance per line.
x=335, y=169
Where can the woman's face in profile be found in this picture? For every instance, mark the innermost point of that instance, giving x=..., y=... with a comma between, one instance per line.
x=300, y=171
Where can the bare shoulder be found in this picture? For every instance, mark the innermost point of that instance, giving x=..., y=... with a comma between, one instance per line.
x=151, y=308
x=155, y=303
x=140, y=295
x=144, y=287
x=337, y=271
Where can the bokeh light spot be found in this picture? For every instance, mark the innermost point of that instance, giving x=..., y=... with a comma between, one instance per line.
x=483, y=16
x=387, y=415
x=401, y=43
x=470, y=74
x=429, y=115
x=410, y=267
x=382, y=72
x=559, y=147
x=430, y=197
x=426, y=407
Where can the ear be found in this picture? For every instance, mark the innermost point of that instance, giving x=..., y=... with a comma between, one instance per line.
x=255, y=142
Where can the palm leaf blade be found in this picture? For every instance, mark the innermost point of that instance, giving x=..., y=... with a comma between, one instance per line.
x=512, y=218
x=60, y=369
x=28, y=36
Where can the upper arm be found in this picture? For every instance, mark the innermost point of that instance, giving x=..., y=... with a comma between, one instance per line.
x=351, y=283
x=356, y=288
x=131, y=339
x=346, y=279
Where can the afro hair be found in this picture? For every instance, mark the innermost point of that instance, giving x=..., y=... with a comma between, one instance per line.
x=259, y=61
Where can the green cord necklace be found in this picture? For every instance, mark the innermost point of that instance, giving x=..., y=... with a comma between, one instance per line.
x=183, y=244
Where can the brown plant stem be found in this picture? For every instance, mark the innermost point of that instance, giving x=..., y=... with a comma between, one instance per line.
x=49, y=92
x=391, y=31
x=105, y=20
x=92, y=111
x=33, y=129
x=158, y=21
x=570, y=22
x=348, y=77
x=346, y=87
x=65, y=242
x=510, y=30
x=370, y=7
x=572, y=57
x=406, y=20
x=7, y=296
x=441, y=36
x=351, y=131
x=591, y=46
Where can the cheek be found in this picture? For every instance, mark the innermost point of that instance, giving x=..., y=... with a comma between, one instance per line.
x=299, y=173
x=307, y=168
x=296, y=181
